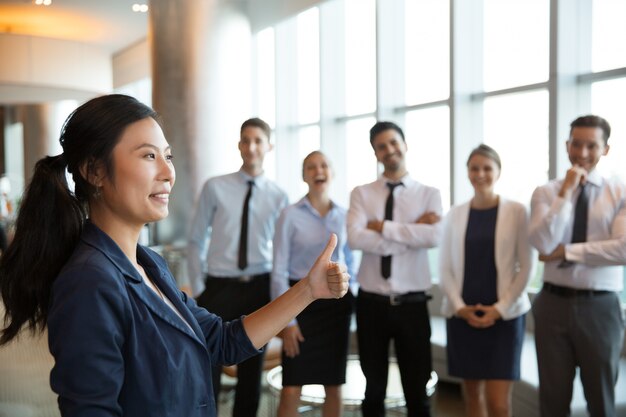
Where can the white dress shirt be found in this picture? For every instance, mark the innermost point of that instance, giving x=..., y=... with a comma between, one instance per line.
x=513, y=255
x=596, y=261
x=217, y=224
x=401, y=237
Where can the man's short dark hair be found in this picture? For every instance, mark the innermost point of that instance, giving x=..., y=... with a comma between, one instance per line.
x=592, y=121
x=256, y=122
x=381, y=127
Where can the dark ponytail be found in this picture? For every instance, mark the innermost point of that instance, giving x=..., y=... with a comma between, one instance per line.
x=49, y=224
x=51, y=216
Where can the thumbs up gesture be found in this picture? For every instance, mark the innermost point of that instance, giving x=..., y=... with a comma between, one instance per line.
x=328, y=279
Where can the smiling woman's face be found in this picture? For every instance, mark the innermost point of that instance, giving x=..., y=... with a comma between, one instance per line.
x=137, y=191
x=316, y=172
x=483, y=173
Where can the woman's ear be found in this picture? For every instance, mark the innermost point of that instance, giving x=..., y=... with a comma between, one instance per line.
x=93, y=172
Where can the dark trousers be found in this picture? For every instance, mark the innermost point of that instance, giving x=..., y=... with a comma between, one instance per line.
x=408, y=325
x=230, y=299
x=578, y=331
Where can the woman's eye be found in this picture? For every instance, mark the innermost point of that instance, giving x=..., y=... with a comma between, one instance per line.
x=149, y=156
x=169, y=157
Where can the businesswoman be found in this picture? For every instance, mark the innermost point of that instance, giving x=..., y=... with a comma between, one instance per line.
x=315, y=345
x=485, y=264
x=125, y=340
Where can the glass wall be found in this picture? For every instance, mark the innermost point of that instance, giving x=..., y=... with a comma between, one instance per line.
x=453, y=75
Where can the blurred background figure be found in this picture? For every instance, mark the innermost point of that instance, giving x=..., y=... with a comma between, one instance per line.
x=486, y=261
x=315, y=345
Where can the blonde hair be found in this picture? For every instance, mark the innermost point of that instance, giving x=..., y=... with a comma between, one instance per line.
x=306, y=158
x=487, y=152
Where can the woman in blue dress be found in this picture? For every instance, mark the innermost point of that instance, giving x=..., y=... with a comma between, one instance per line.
x=485, y=265
x=315, y=345
x=125, y=340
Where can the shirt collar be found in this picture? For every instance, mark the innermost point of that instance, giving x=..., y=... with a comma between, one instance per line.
x=305, y=203
x=406, y=180
x=258, y=180
x=594, y=178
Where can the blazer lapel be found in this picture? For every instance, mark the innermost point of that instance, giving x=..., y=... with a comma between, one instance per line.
x=158, y=306
x=164, y=280
x=99, y=240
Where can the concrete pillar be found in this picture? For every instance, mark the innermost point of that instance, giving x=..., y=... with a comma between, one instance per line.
x=41, y=127
x=201, y=79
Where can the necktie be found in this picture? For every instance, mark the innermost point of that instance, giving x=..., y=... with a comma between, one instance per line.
x=385, y=262
x=581, y=212
x=579, y=233
x=243, y=237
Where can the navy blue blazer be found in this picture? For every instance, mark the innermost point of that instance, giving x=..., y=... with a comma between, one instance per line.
x=119, y=350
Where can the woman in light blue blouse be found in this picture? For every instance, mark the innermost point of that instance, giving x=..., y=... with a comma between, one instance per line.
x=315, y=345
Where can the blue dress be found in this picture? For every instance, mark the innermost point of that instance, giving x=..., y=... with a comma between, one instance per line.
x=494, y=352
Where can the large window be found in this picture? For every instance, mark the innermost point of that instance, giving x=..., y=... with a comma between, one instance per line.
x=360, y=161
x=451, y=77
x=428, y=148
x=608, y=34
x=516, y=126
x=516, y=43
x=427, y=51
x=360, y=52
x=265, y=76
x=308, y=67
x=608, y=99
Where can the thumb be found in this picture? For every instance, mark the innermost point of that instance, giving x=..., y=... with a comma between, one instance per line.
x=328, y=250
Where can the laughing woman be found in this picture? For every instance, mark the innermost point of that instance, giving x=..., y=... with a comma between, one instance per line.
x=125, y=340
x=485, y=264
x=315, y=345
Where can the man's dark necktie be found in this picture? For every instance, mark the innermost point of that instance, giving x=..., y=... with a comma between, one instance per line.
x=243, y=237
x=385, y=262
x=581, y=213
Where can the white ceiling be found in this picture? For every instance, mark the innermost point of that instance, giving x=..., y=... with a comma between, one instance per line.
x=110, y=24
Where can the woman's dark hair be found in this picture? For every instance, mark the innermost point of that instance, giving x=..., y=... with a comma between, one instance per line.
x=51, y=216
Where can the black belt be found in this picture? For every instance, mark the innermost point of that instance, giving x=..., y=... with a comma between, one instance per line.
x=240, y=278
x=572, y=292
x=397, y=299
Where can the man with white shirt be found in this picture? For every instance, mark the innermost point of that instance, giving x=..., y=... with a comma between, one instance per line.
x=578, y=224
x=237, y=212
x=394, y=221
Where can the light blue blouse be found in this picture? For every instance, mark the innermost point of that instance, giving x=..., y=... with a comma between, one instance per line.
x=301, y=235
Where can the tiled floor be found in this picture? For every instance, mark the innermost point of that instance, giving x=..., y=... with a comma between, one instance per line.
x=25, y=392
x=446, y=402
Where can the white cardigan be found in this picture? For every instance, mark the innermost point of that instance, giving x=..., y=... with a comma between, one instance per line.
x=513, y=254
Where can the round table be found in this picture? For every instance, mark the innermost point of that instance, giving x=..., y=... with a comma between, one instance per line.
x=352, y=391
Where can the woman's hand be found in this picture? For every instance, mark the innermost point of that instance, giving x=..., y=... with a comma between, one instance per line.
x=328, y=279
x=479, y=316
x=292, y=337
